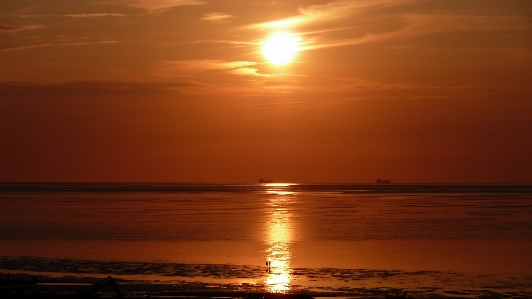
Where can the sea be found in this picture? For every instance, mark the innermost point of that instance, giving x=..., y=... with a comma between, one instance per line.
x=339, y=240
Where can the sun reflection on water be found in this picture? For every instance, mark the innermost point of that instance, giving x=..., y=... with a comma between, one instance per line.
x=277, y=184
x=278, y=251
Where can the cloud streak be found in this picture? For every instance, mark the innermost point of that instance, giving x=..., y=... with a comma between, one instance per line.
x=217, y=17
x=41, y=45
x=153, y=6
x=14, y=28
x=91, y=88
x=94, y=15
x=318, y=14
x=364, y=18
x=186, y=67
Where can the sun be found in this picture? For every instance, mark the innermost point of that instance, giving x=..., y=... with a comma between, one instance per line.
x=280, y=48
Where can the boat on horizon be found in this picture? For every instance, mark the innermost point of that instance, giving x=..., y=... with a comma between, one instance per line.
x=379, y=181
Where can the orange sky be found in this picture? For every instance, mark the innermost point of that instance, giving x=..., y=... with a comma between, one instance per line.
x=179, y=90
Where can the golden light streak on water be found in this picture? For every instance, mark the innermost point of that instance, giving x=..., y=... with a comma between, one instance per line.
x=277, y=192
x=277, y=184
x=278, y=252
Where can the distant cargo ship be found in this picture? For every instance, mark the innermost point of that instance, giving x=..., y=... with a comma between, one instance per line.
x=379, y=181
x=265, y=181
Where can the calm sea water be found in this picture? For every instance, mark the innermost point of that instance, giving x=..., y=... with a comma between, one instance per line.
x=350, y=239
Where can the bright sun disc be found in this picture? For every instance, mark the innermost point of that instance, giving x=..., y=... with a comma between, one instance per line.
x=280, y=48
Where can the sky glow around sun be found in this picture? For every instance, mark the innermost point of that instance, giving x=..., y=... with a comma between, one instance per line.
x=280, y=48
x=297, y=91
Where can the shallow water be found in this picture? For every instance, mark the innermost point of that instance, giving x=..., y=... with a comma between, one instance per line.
x=464, y=240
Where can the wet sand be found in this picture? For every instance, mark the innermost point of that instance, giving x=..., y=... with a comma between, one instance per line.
x=475, y=256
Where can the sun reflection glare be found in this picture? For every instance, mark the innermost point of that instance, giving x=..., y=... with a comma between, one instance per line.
x=277, y=192
x=278, y=188
x=277, y=184
x=278, y=252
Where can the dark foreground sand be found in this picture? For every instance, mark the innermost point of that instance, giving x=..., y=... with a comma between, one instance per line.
x=42, y=287
x=30, y=288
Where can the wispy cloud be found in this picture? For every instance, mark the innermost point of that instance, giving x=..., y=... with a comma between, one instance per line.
x=200, y=65
x=21, y=16
x=162, y=5
x=204, y=64
x=42, y=45
x=238, y=43
x=426, y=24
x=335, y=15
x=318, y=14
x=376, y=21
x=94, y=15
x=93, y=87
x=217, y=17
x=186, y=68
x=13, y=28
